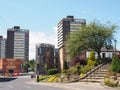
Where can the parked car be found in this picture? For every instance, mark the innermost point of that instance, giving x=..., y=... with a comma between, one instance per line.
x=15, y=74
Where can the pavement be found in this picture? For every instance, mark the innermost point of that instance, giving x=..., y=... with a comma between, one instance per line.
x=76, y=85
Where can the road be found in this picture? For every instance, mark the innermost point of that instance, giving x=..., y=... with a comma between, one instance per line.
x=22, y=83
x=27, y=83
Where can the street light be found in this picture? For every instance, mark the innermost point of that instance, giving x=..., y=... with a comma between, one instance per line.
x=37, y=72
x=115, y=41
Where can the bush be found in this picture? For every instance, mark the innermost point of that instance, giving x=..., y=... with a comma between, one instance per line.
x=65, y=66
x=42, y=78
x=53, y=71
x=106, y=60
x=53, y=78
x=115, y=65
x=91, y=59
x=71, y=70
x=78, y=68
x=86, y=68
x=81, y=75
x=111, y=83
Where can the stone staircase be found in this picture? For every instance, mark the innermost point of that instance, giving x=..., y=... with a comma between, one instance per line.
x=96, y=75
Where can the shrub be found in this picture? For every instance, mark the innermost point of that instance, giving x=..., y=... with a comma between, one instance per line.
x=65, y=66
x=115, y=65
x=86, y=68
x=91, y=59
x=78, y=68
x=82, y=74
x=75, y=61
x=110, y=82
x=42, y=78
x=71, y=70
x=53, y=78
x=53, y=71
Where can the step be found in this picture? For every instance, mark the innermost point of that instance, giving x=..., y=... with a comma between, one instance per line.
x=103, y=70
x=98, y=75
x=94, y=81
x=100, y=72
x=94, y=77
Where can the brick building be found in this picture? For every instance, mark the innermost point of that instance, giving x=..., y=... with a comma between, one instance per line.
x=11, y=65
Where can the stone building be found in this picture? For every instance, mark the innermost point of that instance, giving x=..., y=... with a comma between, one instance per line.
x=44, y=57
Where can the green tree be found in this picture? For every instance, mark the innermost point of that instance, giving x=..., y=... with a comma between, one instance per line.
x=92, y=36
x=115, y=65
x=26, y=66
x=29, y=64
x=32, y=64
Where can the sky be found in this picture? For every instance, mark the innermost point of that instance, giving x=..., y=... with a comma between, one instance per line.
x=42, y=16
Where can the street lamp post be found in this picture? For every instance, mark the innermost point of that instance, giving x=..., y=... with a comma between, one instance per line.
x=115, y=44
x=37, y=71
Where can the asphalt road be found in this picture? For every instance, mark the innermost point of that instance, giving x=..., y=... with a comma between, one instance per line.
x=22, y=83
x=27, y=83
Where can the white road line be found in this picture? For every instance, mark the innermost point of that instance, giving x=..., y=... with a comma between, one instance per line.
x=10, y=86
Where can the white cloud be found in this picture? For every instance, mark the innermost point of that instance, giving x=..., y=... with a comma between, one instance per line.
x=5, y=36
x=41, y=37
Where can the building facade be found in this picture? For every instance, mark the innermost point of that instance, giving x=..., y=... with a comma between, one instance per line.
x=2, y=47
x=65, y=26
x=105, y=53
x=56, y=58
x=18, y=43
x=11, y=66
x=44, y=57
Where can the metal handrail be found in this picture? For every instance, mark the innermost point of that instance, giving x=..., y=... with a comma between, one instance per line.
x=91, y=71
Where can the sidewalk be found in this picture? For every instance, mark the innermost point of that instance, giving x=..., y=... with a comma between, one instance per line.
x=76, y=86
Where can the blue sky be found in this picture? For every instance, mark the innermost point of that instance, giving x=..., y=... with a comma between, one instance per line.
x=42, y=16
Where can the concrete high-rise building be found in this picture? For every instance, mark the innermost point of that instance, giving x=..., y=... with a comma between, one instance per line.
x=44, y=57
x=18, y=43
x=65, y=26
x=2, y=47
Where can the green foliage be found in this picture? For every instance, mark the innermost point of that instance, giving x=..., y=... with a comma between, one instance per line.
x=91, y=59
x=42, y=78
x=86, y=68
x=90, y=64
x=53, y=71
x=115, y=65
x=78, y=68
x=65, y=66
x=26, y=66
x=53, y=78
x=32, y=64
x=29, y=64
x=110, y=82
x=71, y=70
x=94, y=35
x=49, y=78
x=74, y=69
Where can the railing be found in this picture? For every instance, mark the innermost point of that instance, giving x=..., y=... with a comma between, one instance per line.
x=88, y=73
x=91, y=71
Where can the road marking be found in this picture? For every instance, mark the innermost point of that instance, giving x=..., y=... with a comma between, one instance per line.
x=10, y=86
